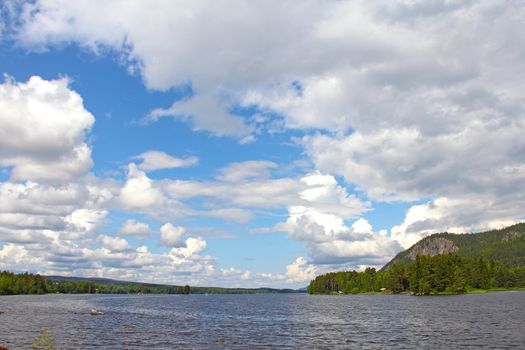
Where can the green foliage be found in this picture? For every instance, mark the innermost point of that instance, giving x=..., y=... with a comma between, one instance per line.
x=44, y=341
x=21, y=284
x=426, y=275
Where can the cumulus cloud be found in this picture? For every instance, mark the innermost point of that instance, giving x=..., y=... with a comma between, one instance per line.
x=117, y=259
x=32, y=212
x=157, y=199
x=133, y=227
x=330, y=241
x=172, y=235
x=43, y=125
x=461, y=215
x=157, y=160
x=406, y=165
x=204, y=113
x=193, y=246
x=300, y=271
x=16, y=255
x=139, y=191
x=115, y=244
x=33, y=198
x=85, y=220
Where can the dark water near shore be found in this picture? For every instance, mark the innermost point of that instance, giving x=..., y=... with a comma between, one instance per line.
x=296, y=321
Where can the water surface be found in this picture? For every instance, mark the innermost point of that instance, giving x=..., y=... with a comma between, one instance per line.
x=291, y=321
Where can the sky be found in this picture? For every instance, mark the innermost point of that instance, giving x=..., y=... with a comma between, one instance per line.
x=253, y=143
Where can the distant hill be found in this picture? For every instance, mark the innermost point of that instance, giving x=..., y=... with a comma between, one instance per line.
x=94, y=280
x=506, y=245
x=127, y=286
x=102, y=280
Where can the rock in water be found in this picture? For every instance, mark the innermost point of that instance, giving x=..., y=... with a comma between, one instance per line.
x=95, y=312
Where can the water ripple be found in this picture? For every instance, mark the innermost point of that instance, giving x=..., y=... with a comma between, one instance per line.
x=298, y=321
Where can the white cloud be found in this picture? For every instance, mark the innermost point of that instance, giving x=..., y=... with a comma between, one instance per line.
x=172, y=235
x=204, y=113
x=42, y=130
x=32, y=198
x=362, y=225
x=319, y=105
x=193, y=246
x=139, y=191
x=330, y=241
x=325, y=195
x=16, y=255
x=85, y=220
x=300, y=271
x=256, y=191
x=116, y=260
x=407, y=165
x=115, y=244
x=359, y=63
x=374, y=251
x=455, y=215
x=475, y=175
x=157, y=160
x=133, y=227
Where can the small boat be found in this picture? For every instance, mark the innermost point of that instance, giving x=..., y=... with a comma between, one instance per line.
x=95, y=312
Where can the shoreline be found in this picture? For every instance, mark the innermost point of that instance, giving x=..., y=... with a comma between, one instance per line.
x=472, y=291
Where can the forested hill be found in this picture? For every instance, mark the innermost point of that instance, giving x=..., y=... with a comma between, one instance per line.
x=441, y=263
x=506, y=245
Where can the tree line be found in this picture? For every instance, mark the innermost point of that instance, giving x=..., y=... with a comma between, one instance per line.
x=426, y=275
x=26, y=283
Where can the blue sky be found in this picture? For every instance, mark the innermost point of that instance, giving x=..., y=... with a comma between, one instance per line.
x=244, y=144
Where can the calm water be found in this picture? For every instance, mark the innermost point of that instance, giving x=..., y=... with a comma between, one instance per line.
x=298, y=321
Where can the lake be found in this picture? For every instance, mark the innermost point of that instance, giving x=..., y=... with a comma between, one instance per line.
x=267, y=321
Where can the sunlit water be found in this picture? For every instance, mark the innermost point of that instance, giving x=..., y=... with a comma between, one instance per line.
x=293, y=321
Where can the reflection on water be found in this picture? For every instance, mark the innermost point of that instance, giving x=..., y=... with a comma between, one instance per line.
x=295, y=321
